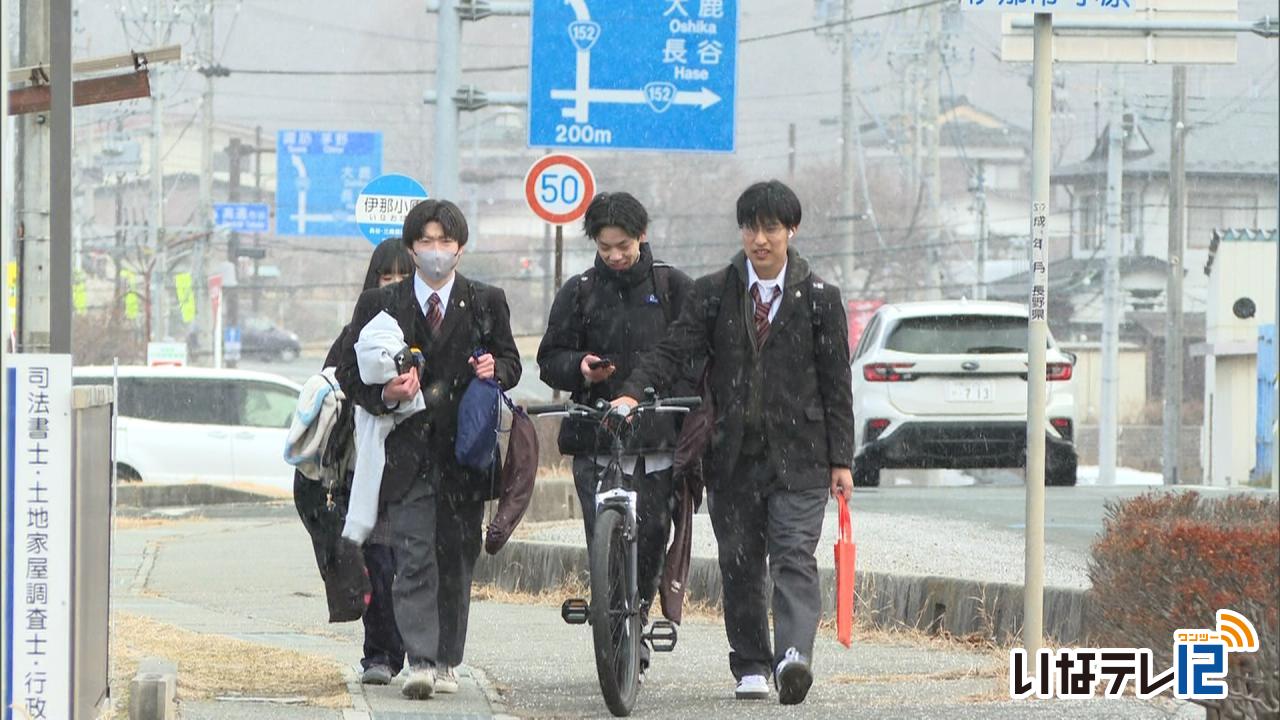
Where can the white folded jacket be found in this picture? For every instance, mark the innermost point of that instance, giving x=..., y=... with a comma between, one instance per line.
x=376, y=349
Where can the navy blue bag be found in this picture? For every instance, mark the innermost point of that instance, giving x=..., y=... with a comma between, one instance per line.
x=476, y=445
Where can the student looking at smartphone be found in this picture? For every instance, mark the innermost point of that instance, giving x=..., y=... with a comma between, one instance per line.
x=601, y=322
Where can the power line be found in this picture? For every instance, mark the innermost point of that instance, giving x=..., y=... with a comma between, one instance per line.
x=837, y=23
x=368, y=73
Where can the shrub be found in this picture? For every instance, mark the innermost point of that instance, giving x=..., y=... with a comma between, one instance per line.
x=1169, y=560
x=98, y=337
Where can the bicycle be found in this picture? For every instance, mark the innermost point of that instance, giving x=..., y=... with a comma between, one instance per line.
x=614, y=610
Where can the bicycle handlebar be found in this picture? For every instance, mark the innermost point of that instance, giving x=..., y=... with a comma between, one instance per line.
x=676, y=404
x=548, y=409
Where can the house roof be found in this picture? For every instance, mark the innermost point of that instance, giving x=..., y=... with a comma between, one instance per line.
x=961, y=125
x=1072, y=273
x=1239, y=139
x=1152, y=322
x=1234, y=235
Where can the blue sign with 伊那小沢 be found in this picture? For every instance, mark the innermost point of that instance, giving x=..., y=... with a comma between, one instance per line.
x=319, y=174
x=242, y=217
x=383, y=204
x=633, y=74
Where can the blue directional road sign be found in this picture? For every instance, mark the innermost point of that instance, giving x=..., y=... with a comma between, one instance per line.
x=383, y=204
x=319, y=174
x=633, y=74
x=242, y=217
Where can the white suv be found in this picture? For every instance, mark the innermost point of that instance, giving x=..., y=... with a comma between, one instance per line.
x=944, y=385
x=185, y=424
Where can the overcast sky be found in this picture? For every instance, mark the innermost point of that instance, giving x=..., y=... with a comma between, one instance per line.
x=784, y=80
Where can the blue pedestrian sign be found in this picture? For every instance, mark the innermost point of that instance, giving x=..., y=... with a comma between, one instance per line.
x=319, y=174
x=383, y=204
x=633, y=74
x=231, y=343
x=242, y=217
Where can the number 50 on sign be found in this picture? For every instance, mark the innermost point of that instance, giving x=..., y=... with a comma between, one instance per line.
x=559, y=188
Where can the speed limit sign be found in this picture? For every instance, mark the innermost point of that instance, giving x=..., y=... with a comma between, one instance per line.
x=558, y=188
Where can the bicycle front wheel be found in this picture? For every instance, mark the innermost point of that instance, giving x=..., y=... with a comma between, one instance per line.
x=615, y=619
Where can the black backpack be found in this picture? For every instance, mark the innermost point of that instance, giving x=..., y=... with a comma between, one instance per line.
x=661, y=286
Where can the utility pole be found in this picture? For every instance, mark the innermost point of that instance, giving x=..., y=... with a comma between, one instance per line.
x=791, y=152
x=448, y=74
x=846, y=140
x=156, y=291
x=980, y=197
x=1112, y=305
x=257, y=237
x=231, y=295
x=201, y=250
x=61, y=172
x=31, y=193
x=6, y=247
x=933, y=165
x=1173, y=292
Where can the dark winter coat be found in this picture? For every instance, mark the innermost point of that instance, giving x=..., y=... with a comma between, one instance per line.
x=323, y=512
x=619, y=316
x=477, y=317
x=806, y=389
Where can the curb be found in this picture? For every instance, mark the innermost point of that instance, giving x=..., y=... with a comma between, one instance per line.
x=931, y=604
x=156, y=496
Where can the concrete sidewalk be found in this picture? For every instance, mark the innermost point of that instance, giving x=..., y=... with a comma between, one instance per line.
x=255, y=580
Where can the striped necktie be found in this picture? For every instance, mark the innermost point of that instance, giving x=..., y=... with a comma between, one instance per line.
x=762, y=313
x=434, y=316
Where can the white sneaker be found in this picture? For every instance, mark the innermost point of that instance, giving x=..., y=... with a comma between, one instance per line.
x=420, y=683
x=752, y=687
x=447, y=680
x=793, y=678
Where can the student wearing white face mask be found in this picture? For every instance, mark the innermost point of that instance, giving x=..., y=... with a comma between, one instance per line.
x=434, y=505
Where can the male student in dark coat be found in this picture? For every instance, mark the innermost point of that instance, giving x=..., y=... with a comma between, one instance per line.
x=602, y=322
x=434, y=505
x=776, y=338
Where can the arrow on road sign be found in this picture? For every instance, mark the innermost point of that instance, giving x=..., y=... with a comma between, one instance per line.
x=703, y=98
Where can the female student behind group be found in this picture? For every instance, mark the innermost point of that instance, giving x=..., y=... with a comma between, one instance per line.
x=383, y=650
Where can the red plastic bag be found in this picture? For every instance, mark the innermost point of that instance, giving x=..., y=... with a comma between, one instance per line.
x=846, y=554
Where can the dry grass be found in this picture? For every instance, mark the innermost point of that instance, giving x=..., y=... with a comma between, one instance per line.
x=527, y=530
x=561, y=470
x=215, y=665
x=571, y=587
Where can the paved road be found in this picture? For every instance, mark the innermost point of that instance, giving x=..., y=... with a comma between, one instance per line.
x=1073, y=516
x=253, y=578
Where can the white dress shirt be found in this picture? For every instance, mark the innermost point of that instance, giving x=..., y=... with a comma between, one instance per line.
x=766, y=287
x=422, y=291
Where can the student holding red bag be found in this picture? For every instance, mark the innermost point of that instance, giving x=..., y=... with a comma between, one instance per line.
x=776, y=339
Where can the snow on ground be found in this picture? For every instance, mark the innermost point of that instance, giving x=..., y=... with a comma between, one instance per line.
x=1088, y=475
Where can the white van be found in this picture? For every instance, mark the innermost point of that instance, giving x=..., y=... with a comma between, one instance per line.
x=184, y=424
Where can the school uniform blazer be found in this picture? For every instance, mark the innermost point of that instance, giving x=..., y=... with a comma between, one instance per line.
x=477, y=317
x=807, y=397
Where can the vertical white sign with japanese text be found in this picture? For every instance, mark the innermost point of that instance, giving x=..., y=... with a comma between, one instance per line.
x=38, y=566
x=1039, y=266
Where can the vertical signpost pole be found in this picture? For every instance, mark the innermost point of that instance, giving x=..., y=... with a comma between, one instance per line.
x=1037, y=335
x=559, y=280
x=559, y=256
x=1112, y=304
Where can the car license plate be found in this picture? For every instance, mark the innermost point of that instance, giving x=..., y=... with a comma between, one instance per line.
x=969, y=392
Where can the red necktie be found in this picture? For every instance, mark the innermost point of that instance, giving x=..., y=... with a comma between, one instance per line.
x=434, y=316
x=762, y=313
